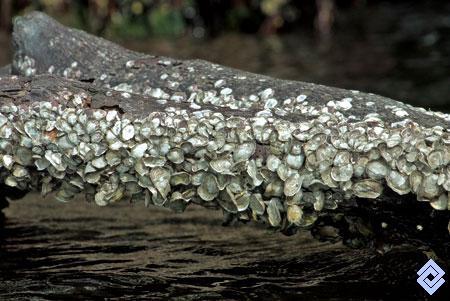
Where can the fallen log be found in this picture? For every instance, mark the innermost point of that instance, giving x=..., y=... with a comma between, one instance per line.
x=171, y=132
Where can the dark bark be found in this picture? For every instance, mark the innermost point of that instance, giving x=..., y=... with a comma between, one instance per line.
x=49, y=45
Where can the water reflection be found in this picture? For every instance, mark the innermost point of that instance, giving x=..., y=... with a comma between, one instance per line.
x=79, y=251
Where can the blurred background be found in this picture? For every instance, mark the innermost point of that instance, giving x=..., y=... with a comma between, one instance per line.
x=395, y=48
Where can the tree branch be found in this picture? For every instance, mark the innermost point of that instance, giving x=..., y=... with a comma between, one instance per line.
x=173, y=132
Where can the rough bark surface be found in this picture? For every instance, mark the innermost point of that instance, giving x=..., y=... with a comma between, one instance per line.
x=43, y=45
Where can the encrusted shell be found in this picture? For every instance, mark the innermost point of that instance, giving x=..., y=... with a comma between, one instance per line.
x=294, y=214
x=127, y=132
x=139, y=150
x=292, y=184
x=342, y=173
x=273, y=213
x=441, y=203
x=160, y=178
x=377, y=170
x=221, y=165
x=429, y=187
x=242, y=202
x=208, y=189
x=415, y=180
x=244, y=151
x=295, y=161
x=176, y=155
x=180, y=178
x=257, y=204
x=398, y=182
x=369, y=189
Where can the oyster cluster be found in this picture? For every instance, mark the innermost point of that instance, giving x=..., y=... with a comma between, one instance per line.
x=262, y=168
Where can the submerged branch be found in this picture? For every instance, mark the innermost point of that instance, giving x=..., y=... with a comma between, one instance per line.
x=170, y=133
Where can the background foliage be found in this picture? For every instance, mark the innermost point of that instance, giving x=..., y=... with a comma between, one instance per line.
x=173, y=18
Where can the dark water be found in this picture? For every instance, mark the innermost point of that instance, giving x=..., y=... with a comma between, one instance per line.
x=54, y=251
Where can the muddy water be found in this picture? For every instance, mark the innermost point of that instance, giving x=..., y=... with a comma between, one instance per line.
x=77, y=250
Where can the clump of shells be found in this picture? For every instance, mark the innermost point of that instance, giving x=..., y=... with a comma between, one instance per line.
x=263, y=168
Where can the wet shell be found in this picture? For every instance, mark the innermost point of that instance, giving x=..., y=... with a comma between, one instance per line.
x=342, y=173
x=177, y=202
x=176, y=155
x=93, y=177
x=180, y=178
x=284, y=172
x=273, y=213
x=208, y=189
x=415, y=180
x=295, y=161
x=113, y=158
x=127, y=132
x=11, y=181
x=314, y=143
x=368, y=189
x=293, y=184
x=3, y=120
x=99, y=162
x=436, y=159
x=341, y=159
x=7, y=161
x=429, y=187
x=154, y=161
x=398, y=182
x=242, y=202
x=441, y=203
x=138, y=150
x=142, y=181
x=360, y=166
x=100, y=198
x=55, y=159
x=319, y=201
x=42, y=163
x=325, y=153
x=327, y=179
x=24, y=156
x=19, y=171
x=294, y=214
x=222, y=181
x=377, y=170
x=221, y=165
x=273, y=163
x=274, y=188
x=160, y=178
x=225, y=200
x=244, y=151
x=257, y=205
x=308, y=220
x=252, y=171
